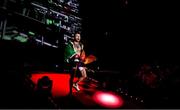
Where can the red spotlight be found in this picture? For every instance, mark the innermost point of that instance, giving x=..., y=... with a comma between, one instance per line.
x=108, y=99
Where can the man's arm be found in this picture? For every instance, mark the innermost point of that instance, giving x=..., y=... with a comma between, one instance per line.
x=69, y=52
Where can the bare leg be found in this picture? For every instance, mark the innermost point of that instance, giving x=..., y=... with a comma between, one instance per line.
x=72, y=73
x=83, y=75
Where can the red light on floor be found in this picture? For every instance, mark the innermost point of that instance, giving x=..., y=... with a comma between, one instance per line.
x=60, y=81
x=108, y=99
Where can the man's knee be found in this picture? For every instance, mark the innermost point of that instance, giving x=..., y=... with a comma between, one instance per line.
x=83, y=72
x=84, y=75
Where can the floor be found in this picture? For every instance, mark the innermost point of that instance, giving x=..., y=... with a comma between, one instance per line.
x=92, y=94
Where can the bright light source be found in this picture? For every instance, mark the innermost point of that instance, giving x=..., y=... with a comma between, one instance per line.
x=108, y=99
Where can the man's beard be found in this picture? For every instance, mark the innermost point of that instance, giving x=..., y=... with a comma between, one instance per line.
x=77, y=40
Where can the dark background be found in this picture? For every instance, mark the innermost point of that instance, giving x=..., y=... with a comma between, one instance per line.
x=121, y=36
x=139, y=32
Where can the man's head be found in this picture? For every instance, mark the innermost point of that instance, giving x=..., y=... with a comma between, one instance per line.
x=77, y=37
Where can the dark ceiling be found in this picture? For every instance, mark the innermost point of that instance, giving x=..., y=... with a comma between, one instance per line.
x=137, y=31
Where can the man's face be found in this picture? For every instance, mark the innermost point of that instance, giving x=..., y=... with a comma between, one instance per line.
x=77, y=37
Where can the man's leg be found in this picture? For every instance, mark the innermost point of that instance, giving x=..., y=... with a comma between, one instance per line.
x=83, y=76
x=72, y=73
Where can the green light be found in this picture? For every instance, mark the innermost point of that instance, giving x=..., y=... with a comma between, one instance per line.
x=21, y=39
x=48, y=21
x=31, y=33
x=51, y=21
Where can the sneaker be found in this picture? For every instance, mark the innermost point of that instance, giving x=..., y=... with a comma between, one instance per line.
x=76, y=86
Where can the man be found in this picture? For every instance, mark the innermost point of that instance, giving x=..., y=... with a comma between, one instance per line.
x=75, y=55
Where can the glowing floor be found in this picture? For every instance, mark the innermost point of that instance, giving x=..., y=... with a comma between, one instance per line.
x=90, y=95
